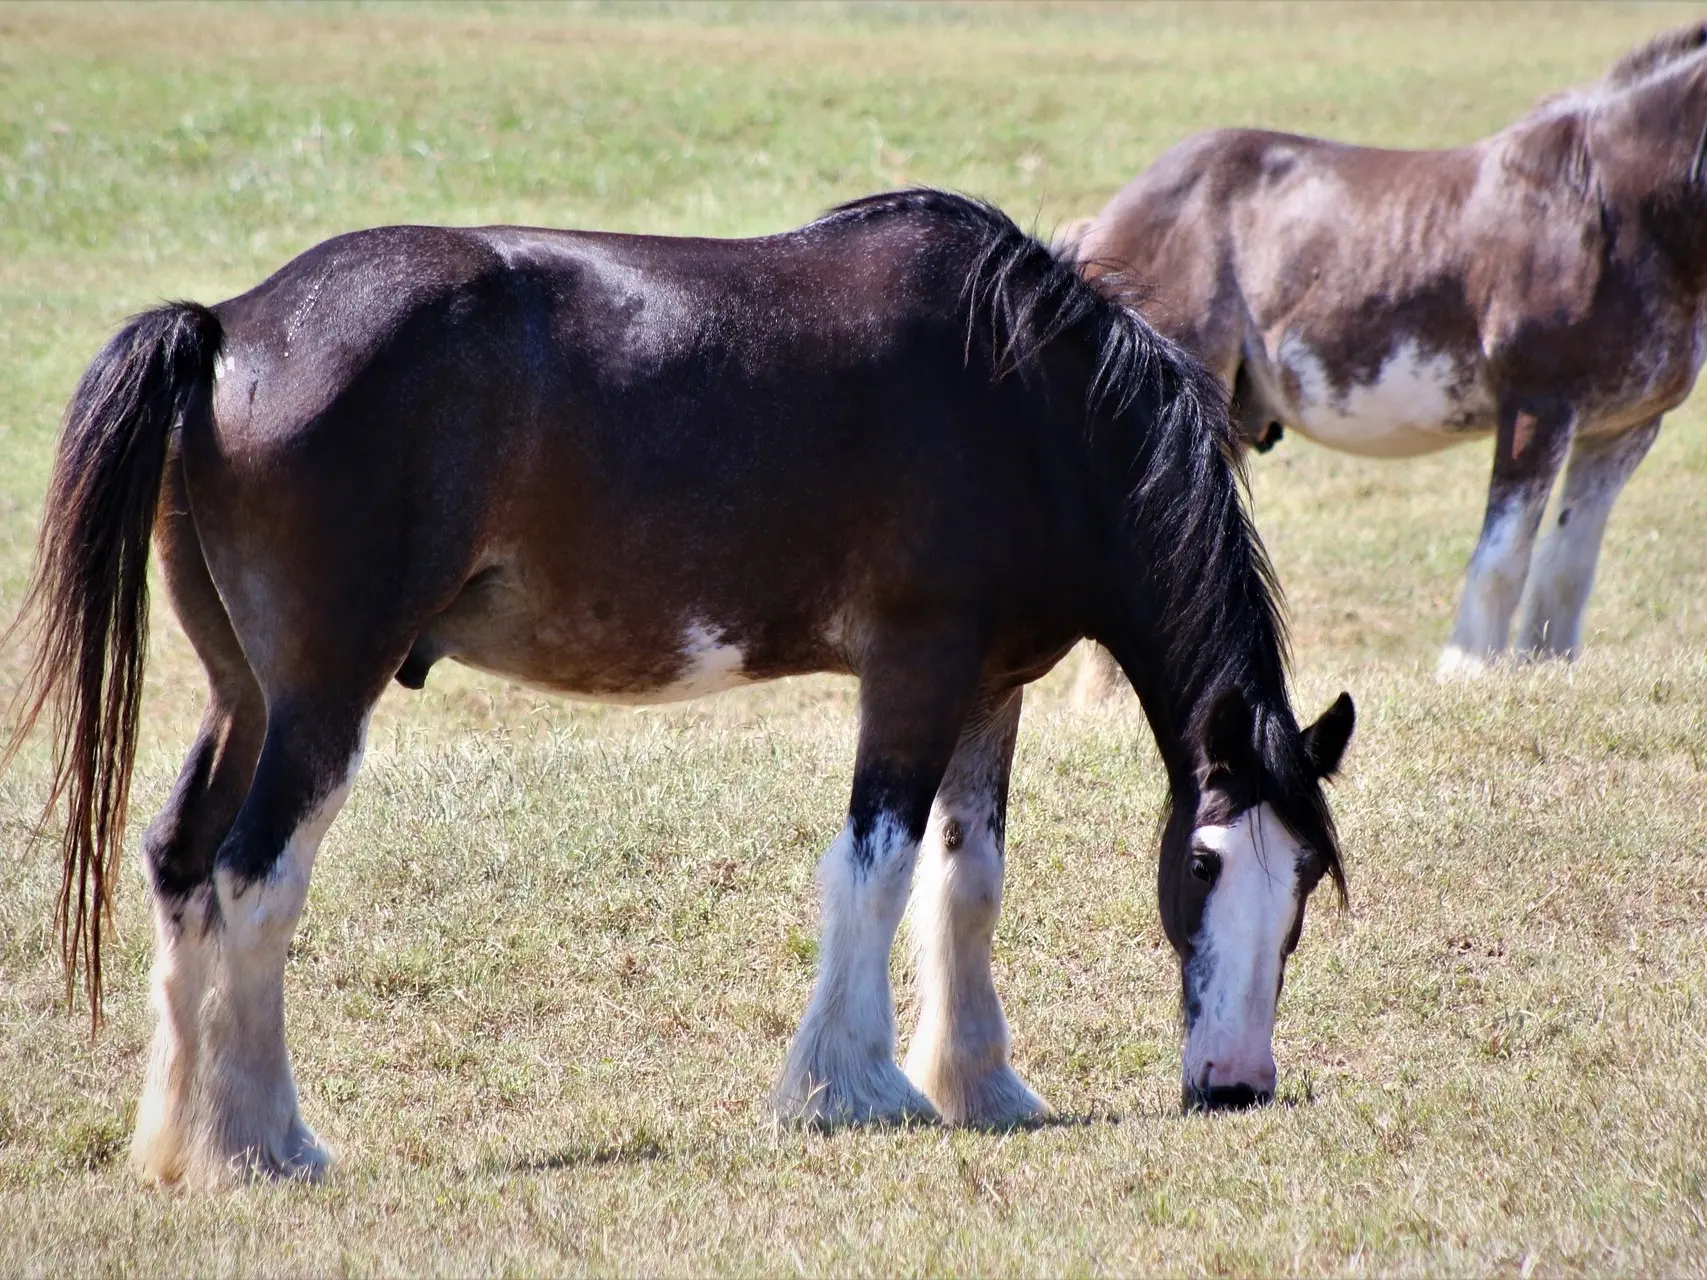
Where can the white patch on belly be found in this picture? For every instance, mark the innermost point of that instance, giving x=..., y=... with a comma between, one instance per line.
x=1405, y=411
x=708, y=666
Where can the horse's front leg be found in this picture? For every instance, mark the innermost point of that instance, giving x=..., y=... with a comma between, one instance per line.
x=914, y=694
x=1528, y=448
x=1563, y=572
x=960, y=1047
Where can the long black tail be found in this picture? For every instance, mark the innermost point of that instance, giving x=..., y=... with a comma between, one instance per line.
x=86, y=610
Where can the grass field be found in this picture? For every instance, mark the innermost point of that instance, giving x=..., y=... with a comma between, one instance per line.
x=553, y=953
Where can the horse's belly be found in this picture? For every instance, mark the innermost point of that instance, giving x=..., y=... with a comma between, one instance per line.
x=606, y=644
x=696, y=662
x=1418, y=402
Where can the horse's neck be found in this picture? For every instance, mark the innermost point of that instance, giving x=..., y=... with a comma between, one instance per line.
x=1665, y=133
x=1175, y=697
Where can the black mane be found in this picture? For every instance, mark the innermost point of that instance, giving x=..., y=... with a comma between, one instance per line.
x=1164, y=447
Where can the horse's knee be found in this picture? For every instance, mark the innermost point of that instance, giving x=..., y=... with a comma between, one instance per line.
x=306, y=768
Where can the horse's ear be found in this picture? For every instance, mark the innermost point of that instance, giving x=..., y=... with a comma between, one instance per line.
x=1227, y=732
x=1325, y=741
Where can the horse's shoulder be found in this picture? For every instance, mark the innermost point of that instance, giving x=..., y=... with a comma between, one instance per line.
x=1545, y=156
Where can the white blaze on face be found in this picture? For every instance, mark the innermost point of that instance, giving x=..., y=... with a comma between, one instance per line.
x=1233, y=978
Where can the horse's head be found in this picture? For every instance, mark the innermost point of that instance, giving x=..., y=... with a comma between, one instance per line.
x=1234, y=879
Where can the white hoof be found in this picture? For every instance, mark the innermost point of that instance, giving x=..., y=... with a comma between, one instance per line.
x=156, y=1152
x=871, y=1093
x=1460, y=664
x=998, y=1099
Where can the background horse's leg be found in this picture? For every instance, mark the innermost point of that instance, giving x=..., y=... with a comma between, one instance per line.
x=1563, y=572
x=178, y=848
x=1099, y=678
x=914, y=695
x=1527, y=452
x=959, y=1052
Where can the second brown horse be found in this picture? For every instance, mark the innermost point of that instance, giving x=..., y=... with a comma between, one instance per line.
x=1547, y=286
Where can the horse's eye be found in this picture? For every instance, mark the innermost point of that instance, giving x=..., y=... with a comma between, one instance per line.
x=1205, y=866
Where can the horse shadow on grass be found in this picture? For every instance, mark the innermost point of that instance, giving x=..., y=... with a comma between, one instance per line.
x=644, y=1149
x=629, y=1151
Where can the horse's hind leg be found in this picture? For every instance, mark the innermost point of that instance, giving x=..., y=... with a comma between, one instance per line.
x=960, y=1047
x=1528, y=449
x=245, y=1118
x=914, y=694
x=230, y=897
x=1563, y=572
x=178, y=848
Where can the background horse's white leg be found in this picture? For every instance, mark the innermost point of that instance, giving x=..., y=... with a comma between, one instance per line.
x=244, y=1119
x=1563, y=572
x=1100, y=678
x=841, y=1067
x=1527, y=452
x=960, y=1046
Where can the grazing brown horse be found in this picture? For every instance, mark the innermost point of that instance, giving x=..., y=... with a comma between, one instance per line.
x=905, y=442
x=1547, y=285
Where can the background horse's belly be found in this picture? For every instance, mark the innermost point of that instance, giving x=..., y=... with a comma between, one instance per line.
x=1418, y=401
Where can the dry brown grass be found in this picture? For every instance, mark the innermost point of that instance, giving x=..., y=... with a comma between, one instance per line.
x=553, y=953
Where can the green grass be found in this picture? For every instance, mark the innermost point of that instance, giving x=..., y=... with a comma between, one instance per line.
x=553, y=953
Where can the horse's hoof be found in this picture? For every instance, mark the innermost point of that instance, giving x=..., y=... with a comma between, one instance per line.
x=297, y=1156
x=1000, y=1099
x=882, y=1096
x=1459, y=664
